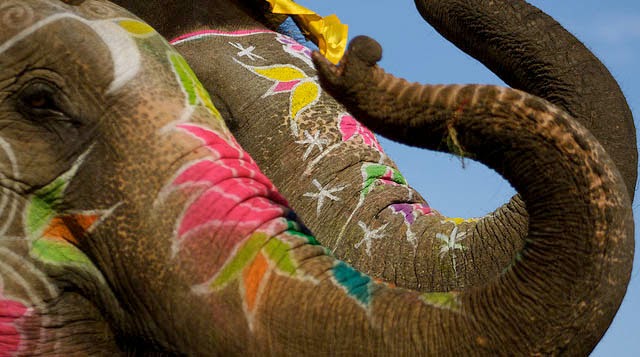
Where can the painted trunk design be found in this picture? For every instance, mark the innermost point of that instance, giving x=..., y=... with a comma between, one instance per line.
x=251, y=219
x=319, y=143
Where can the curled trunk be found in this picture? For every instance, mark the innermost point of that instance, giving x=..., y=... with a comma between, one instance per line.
x=532, y=52
x=562, y=292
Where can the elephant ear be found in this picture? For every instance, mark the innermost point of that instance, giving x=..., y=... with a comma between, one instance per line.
x=540, y=57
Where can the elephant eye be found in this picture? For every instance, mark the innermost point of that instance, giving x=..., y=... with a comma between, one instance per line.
x=41, y=102
x=39, y=97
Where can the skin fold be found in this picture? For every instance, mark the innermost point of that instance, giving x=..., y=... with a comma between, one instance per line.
x=332, y=169
x=136, y=224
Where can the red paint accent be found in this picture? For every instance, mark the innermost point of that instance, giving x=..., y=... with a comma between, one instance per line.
x=10, y=337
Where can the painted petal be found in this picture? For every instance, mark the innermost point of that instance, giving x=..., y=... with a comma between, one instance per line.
x=239, y=260
x=59, y=230
x=284, y=73
x=206, y=99
x=253, y=279
x=10, y=337
x=136, y=28
x=219, y=204
x=285, y=86
x=39, y=212
x=348, y=127
x=374, y=174
x=210, y=173
x=185, y=76
x=57, y=252
x=278, y=252
x=302, y=96
x=214, y=141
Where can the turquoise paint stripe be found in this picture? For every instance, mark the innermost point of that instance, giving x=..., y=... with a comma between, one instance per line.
x=354, y=282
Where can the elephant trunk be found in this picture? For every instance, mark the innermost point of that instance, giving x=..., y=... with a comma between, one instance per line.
x=530, y=51
x=563, y=289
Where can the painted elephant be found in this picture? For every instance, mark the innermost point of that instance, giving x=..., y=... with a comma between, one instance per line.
x=332, y=168
x=133, y=222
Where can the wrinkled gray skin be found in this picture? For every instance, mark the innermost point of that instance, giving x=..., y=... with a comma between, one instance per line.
x=426, y=252
x=134, y=223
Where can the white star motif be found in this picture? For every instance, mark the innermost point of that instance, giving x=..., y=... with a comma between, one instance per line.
x=312, y=141
x=451, y=243
x=246, y=51
x=323, y=193
x=370, y=235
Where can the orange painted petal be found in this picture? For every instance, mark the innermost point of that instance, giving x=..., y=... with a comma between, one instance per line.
x=86, y=221
x=253, y=277
x=58, y=228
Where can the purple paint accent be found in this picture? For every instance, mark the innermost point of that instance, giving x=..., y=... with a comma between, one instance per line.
x=209, y=33
x=411, y=211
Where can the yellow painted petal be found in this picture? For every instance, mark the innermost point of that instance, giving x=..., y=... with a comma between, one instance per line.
x=302, y=96
x=281, y=74
x=137, y=28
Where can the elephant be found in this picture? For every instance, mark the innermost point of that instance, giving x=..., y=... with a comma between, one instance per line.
x=332, y=168
x=134, y=222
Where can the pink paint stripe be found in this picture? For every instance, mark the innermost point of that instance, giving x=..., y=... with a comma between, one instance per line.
x=208, y=33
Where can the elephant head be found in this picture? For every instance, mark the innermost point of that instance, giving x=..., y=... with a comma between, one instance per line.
x=332, y=168
x=136, y=223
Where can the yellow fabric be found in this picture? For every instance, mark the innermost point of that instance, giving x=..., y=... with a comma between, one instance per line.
x=328, y=31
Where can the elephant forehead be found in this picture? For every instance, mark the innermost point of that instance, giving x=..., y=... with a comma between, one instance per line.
x=116, y=28
x=16, y=15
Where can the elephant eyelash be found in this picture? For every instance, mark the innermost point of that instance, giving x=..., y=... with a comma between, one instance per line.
x=40, y=101
x=39, y=96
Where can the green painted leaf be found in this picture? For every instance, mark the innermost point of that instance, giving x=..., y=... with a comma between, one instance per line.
x=42, y=207
x=186, y=75
x=194, y=89
x=58, y=252
x=295, y=229
x=278, y=252
x=242, y=258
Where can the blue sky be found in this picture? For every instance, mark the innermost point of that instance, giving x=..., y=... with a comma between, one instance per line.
x=413, y=50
